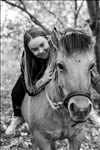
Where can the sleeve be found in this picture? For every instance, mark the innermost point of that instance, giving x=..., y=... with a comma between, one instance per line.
x=47, y=76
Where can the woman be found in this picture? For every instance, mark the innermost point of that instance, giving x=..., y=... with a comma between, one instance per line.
x=36, y=71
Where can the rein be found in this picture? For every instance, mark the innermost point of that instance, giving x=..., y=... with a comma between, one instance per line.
x=59, y=104
x=54, y=105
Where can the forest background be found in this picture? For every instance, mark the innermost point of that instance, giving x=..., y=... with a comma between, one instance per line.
x=17, y=16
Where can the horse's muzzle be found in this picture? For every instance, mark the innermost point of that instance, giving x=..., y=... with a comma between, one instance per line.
x=79, y=105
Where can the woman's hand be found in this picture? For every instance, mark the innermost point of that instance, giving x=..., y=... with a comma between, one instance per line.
x=45, y=79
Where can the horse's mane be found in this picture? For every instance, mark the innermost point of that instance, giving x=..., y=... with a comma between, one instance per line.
x=76, y=41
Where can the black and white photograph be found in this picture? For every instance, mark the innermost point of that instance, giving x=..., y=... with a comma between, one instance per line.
x=50, y=75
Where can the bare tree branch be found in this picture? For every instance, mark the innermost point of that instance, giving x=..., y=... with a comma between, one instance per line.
x=22, y=2
x=81, y=5
x=36, y=21
x=51, y=13
x=77, y=11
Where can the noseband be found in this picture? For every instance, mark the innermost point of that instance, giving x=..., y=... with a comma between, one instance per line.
x=76, y=93
x=66, y=99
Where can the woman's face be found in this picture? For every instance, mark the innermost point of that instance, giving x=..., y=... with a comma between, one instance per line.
x=39, y=46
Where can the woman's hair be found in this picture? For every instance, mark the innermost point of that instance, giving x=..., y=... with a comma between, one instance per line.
x=31, y=34
x=29, y=58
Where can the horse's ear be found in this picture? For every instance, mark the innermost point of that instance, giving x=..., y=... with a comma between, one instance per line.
x=92, y=26
x=55, y=38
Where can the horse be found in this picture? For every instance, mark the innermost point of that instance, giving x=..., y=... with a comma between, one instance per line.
x=65, y=102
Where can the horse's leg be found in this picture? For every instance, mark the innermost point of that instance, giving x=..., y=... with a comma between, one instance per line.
x=74, y=145
x=41, y=141
x=34, y=146
x=76, y=142
x=53, y=145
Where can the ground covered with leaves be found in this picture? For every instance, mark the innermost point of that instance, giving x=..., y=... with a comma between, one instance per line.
x=21, y=140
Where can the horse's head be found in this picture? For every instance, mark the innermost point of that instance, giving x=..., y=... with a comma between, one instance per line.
x=75, y=59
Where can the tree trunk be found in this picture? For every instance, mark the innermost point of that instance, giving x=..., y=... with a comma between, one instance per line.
x=94, y=12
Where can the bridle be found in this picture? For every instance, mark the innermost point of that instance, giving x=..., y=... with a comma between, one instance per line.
x=54, y=105
x=76, y=93
x=65, y=99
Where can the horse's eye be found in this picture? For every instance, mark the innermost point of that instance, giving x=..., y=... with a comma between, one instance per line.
x=60, y=66
x=91, y=66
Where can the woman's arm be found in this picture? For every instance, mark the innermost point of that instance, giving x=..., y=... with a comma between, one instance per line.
x=47, y=76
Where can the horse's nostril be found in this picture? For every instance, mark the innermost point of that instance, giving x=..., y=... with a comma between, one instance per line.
x=88, y=110
x=73, y=107
x=89, y=107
